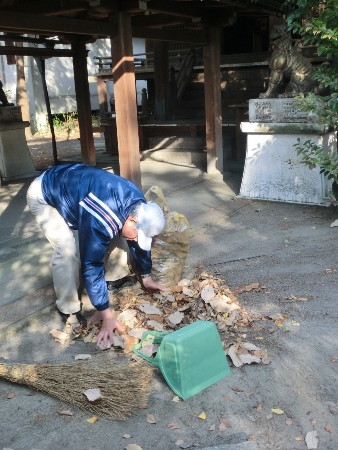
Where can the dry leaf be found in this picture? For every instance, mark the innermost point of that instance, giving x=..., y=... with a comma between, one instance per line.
x=128, y=317
x=137, y=332
x=178, y=443
x=129, y=343
x=155, y=325
x=252, y=286
x=202, y=416
x=222, y=304
x=149, y=350
x=176, y=318
x=224, y=423
x=259, y=408
x=59, y=334
x=118, y=341
x=82, y=356
x=187, y=445
x=173, y=426
x=229, y=321
x=232, y=352
x=328, y=429
x=102, y=346
x=90, y=336
x=133, y=447
x=156, y=318
x=288, y=421
x=248, y=359
x=66, y=413
x=229, y=399
x=311, y=440
x=176, y=399
x=184, y=282
x=333, y=410
x=207, y=293
x=147, y=308
x=93, y=395
x=150, y=418
x=61, y=341
x=313, y=422
x=277, y=411
x=237, y=389
x=188, y=292
x=212, y=427
x=11, y=395
x=92, y=419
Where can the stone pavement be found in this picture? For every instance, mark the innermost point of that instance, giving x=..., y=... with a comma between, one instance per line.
x=289, y=248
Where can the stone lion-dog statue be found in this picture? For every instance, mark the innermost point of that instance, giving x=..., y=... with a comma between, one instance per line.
x=291, y=73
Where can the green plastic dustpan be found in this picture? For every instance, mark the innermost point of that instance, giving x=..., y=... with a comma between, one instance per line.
x=190, y=359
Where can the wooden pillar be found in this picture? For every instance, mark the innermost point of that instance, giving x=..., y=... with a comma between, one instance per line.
x=83, y=103
x=161, y=77
x=213, y=107
x=21, y=91
x=125, y=99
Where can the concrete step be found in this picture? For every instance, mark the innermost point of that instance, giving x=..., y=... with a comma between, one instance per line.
x=177, y=142
x=177, y=156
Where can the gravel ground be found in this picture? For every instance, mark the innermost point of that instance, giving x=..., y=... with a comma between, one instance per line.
x=41, y=148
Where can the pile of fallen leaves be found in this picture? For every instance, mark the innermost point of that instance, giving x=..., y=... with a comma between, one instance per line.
x=204, y=298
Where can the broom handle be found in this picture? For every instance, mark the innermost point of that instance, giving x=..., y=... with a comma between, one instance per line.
x=18, y=372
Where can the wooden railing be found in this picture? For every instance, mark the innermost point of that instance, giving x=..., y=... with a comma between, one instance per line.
x=146, y=60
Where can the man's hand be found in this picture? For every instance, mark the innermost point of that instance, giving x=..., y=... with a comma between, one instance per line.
x=109, y=324
x=150, y=284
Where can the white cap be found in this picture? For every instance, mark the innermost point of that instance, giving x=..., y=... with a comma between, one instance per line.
x=150, y=223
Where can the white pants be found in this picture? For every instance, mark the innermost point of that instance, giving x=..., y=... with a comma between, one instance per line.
x=66, y=260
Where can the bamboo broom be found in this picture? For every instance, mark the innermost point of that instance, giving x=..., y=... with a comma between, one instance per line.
x=123, y=388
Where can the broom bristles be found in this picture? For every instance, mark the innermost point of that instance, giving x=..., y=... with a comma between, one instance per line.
x=123, y=388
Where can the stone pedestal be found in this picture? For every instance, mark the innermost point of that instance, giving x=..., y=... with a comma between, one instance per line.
x=272, y=170
x=15, y=160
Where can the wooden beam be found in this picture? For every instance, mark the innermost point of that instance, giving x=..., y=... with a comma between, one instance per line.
x=83, y=103
x=181, y=9
x=213, y=107
x=170, y=35
x=50, y=6
x=156, y=20
x=37, y=23
x=20, y=38
x=125, y=100
x=248, y=5
x=33, y=51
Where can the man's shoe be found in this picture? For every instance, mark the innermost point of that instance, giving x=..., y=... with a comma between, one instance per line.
x=115, y=286
x=79, y=317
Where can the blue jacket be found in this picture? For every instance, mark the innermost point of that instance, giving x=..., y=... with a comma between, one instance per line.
x=97, y=204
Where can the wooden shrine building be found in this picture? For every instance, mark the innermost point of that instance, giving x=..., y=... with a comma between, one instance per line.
x=209, y=24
